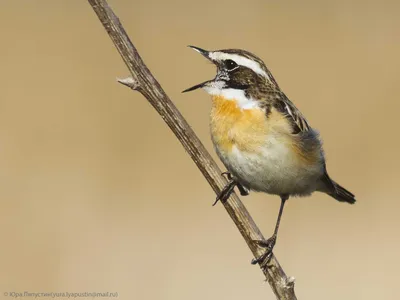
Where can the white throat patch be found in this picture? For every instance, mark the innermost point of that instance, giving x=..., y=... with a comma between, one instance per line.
x=233, y=95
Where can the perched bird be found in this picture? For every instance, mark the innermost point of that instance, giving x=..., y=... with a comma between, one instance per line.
x=261, y=137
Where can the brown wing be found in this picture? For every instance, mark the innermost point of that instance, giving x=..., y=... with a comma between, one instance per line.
x=285, y=106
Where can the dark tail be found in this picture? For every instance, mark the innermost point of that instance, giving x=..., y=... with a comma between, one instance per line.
x=342, y=195
x=338, y=192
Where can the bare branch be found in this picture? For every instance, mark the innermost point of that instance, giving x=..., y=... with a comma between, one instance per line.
x=144, y=82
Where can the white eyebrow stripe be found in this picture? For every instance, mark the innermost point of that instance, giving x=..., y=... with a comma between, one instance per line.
x=240, y=60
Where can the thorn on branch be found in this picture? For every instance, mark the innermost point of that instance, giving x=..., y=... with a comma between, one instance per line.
x=129, y=82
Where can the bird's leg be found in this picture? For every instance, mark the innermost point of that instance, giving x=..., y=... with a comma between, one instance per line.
x=243, y=191
x=270, y=243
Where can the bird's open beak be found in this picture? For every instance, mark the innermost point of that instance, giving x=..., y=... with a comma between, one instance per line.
x=197, y=86
x=203, y=52
x=206, y=54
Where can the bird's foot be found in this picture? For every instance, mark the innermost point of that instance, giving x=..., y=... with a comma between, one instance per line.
x=226, y=192
x=269, y=246
x=243, y=191
x=228, y=189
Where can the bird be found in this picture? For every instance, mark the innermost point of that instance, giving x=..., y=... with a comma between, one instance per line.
x=262, y=138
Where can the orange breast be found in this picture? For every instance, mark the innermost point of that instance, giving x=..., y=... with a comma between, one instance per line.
x=230, y=125
x=250, y=131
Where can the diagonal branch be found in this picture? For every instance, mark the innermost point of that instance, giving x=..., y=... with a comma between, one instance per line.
x=145, y=83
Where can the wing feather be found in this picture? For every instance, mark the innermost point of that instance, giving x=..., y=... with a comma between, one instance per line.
x=297, y=120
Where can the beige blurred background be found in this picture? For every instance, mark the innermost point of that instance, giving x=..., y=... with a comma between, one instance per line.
x=97, y=195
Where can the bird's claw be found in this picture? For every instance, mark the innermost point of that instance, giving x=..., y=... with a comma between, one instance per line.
x=269, y=246
x=226, y=192
x=243, y=190
x=227, y=175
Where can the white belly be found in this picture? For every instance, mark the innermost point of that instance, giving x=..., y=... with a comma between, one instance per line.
x=274, y=169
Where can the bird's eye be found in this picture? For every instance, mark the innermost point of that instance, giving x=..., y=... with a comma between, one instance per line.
x=230, y=64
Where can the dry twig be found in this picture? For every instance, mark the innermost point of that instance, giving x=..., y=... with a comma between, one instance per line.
x=145, y=83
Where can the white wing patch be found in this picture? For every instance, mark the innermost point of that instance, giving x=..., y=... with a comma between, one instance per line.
x=289, y=110
x=240, y=60
x=297, y=117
